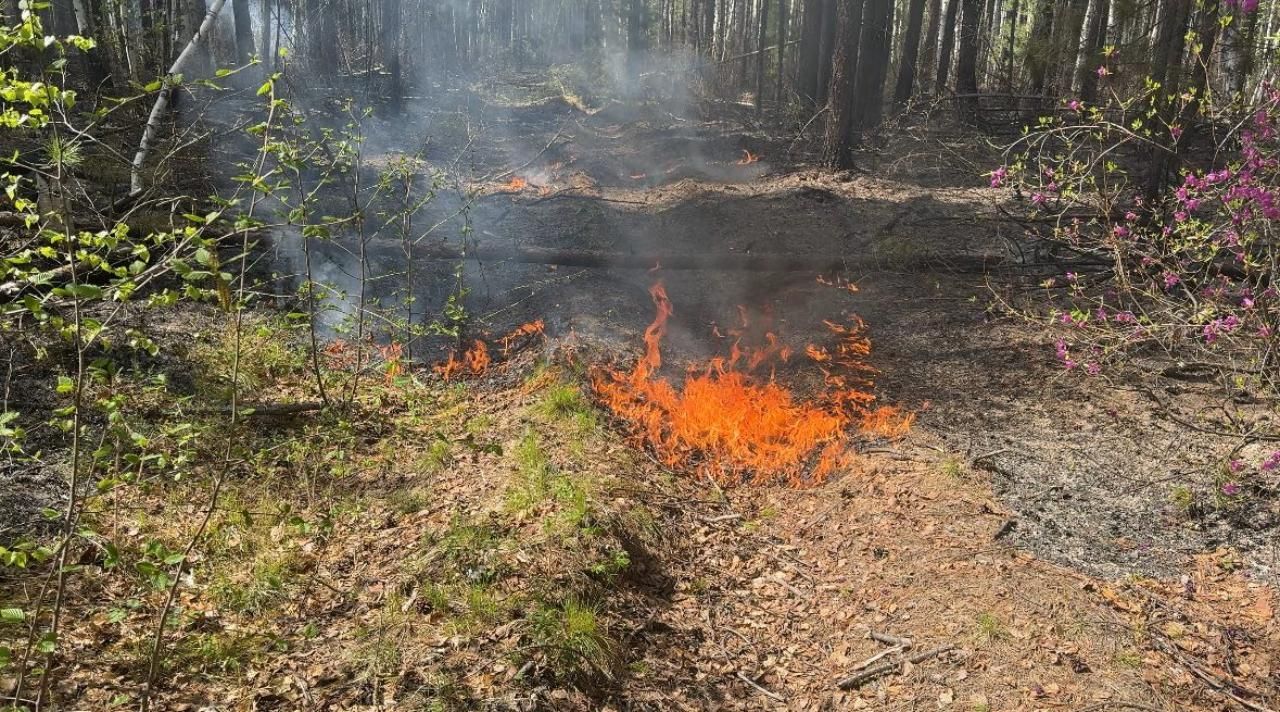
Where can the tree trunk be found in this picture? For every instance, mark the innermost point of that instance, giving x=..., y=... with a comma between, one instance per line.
x=390, y=42
x=810, y=45
x=905, y=85
x=1166, y=74
x=948, y=44
x=1241, y=35
x=1207, y=36
x=1096, y=42
x=873, y=62
x=1012, y=19
x=244, y=31
x=929, y=52
x=1068, y=43
x=1040, y=54
x=827, y=50
x=967, y=60
x=838, y=146
x=783, y=19
x=761, y=54
x=268, y=56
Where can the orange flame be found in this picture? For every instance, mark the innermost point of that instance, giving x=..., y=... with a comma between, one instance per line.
x=474, y=362
x=517, y=184
x=736, y=428
x=748, y=158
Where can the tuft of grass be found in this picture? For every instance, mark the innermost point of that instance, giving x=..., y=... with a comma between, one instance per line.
x=567, y=402
x=953, y=467
x=990, y=627
x=408, y=501
x=213, y=653
x=534, y=476
x=265, y=584
x=576, y=644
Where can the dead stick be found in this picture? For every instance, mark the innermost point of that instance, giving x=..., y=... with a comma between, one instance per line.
x=762, y=690
x=891, y=639
x=891, y=667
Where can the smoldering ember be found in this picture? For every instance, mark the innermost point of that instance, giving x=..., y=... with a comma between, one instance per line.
x=639, y=355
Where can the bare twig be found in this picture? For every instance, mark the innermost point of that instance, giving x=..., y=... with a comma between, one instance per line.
x=762, y=690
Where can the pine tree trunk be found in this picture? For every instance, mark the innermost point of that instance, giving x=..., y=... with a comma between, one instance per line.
x=905, y=84
x=390, y=41
x=761, y=54
x=810, y=44
x=948, y=45
x=1040, y=54
x=244, y=31
x=1166, y=72
x=827, y=49
x=838, y=146
x=967, y=59
x=783, y=19
x=929, y=51
x=873, y=63
x=1067, y=42
x=1087, y=78
x=1207, y=35
x=1012, y=19
x=1241, y=35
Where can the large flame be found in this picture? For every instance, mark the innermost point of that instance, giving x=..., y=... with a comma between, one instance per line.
x=735, y=426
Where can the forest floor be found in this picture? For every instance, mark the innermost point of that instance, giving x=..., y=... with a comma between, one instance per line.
x=501, y=543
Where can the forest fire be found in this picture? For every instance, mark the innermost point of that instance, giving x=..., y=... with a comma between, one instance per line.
x=517, y=184
x=748, y=158
x=737, y=427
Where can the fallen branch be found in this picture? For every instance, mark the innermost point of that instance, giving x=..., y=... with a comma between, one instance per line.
x=860, y=679
x=268, y=410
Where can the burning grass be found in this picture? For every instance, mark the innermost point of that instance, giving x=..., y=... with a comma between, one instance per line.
x=734, y=426
x=476, y=359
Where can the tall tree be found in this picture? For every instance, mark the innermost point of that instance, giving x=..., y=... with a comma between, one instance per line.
x=244, y=31
x=827, y=49
x=873, y=62
x=390, y=42
x=1039, y=52
x=838, y=146
x=1166, y=76
x=1067, y=31
x=910, y=51
x=1095, y=43
x=1011, y=20
x=929, y=60
x=948, y=45
x=1241, y=34
x=967, y=59
x=783, y=21
x=761, y=54
x=810, y=46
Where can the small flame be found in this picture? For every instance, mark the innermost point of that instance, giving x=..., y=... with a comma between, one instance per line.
x=517, y=184
x=639, y=176
x=473, y=362
x=748, y=158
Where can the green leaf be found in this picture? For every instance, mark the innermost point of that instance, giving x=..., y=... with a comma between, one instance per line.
x=65, y=384
x=12, y=615
x=84, y=291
